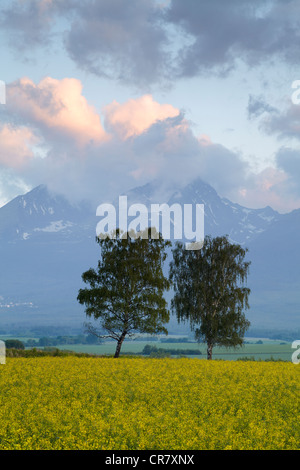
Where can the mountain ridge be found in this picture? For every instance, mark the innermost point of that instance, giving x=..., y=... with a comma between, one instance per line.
x=240, y=223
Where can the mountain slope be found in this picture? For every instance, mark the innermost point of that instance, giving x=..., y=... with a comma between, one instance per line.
x=275, y=273
x=40, y=213
x=45, y=245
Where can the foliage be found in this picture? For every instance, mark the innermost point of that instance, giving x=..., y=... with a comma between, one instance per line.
x=148, y=350
x=71, y=403
x=126, y=293
x=14, y=343
x=61, y=339
x=208, y=293
x=174, y=340
x=49, y=351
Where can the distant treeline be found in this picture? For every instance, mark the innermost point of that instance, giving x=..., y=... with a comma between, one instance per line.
x=284, y=335
x=46, y=341
x=50, y=341
x=51, y=351
x=184, y=339
x=155, y=352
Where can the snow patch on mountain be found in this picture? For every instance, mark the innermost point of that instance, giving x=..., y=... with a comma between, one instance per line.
x=55, y=226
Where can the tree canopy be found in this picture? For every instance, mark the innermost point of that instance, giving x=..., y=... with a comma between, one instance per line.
x=126, y=291
x=209, y=291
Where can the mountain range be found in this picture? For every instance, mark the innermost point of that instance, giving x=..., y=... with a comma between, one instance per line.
x=46, y=242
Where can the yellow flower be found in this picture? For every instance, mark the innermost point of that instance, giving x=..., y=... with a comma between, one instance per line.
x=104, y=403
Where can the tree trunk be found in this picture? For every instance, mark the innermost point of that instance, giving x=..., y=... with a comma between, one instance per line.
x=209, y=351
x=119, y=343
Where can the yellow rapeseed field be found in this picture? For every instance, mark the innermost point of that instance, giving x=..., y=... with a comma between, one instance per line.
x=128, y=403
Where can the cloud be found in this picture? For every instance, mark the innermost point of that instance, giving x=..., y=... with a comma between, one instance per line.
x=170, y=151
x=57, y=108
x=285, y=124
x=72, y=151
x=16, y=146
x=140, y=42
x=11, y=185
x=124, y=41
x=281, y=184
x=55, y=137
x=257, y=106
x=136, y=115
x=266, y=188
x=288, y=161
x=276, y=186
x=220, y=32
x=142, y=140
x=28, y=22
x=120, y=40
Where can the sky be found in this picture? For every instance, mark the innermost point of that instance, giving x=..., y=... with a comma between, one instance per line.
x=105, y=95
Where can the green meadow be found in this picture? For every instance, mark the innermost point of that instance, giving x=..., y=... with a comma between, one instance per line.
x=268, y=350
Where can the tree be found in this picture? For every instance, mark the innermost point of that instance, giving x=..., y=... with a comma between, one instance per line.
x=126, y=292
x=14, y=343
x=209, y=291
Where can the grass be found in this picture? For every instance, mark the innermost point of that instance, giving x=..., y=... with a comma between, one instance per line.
x=264, y=351
x=269, y=349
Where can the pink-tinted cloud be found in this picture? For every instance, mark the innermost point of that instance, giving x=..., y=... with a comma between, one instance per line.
x=142, y=140
x=16, y=146
x=204, y=140
x=268, y=188
x=136, y=115
x=57, y=108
